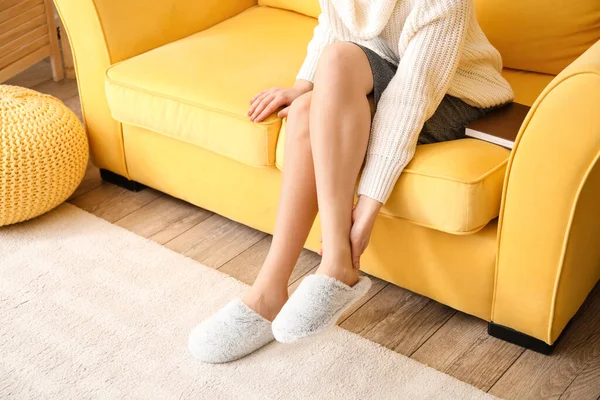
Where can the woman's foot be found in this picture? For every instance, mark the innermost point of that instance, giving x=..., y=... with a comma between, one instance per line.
x=316, y=306
x=229, y=334
x=266, y=302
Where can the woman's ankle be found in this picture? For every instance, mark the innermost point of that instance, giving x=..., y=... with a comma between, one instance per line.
x=339, y=266
x=266, y=302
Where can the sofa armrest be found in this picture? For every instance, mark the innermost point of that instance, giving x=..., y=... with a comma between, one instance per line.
x=548, y=250
x=104, y=32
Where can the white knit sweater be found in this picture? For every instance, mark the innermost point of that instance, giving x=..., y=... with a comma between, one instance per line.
x=439, y=48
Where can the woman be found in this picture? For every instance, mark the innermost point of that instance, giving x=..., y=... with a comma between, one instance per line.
x=380, y=76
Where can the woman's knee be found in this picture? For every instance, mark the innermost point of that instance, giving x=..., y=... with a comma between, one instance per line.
x=300, y=108
x=298, y=118
x=339, y=53
x=347, y=63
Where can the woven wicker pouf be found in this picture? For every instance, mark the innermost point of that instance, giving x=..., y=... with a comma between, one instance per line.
x=43, y=153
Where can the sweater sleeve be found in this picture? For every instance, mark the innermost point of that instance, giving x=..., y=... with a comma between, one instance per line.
x=323, y=35
x=433, y=42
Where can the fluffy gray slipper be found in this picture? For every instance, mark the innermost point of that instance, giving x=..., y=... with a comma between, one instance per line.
x=316, y=306
x=231, y=333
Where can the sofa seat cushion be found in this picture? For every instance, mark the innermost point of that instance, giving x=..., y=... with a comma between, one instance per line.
x=197, y=89
x=454, y=187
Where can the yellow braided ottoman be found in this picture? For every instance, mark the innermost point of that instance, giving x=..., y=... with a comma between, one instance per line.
x=43, y=153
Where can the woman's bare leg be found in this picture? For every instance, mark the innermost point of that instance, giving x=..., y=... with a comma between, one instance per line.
x=340, y=119
x=295, y=215
x=342, y=142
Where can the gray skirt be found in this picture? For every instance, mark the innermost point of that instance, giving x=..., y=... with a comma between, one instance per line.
x=450, y=118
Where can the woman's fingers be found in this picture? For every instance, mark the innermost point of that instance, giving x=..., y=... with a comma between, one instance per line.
x=270, y=108
x=268, y=101
x=356, y=253
x=256, y=96
x=260, y=106
x=284, y=113
x=256, y=102
x=262, y=103
x=359, y=240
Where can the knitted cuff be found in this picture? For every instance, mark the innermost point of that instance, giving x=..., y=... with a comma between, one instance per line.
x=308, y=70
x=379, y=177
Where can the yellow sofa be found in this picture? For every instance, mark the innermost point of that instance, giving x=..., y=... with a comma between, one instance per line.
x=165, y=87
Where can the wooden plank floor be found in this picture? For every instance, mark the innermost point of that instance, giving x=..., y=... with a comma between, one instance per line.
x=410, y=324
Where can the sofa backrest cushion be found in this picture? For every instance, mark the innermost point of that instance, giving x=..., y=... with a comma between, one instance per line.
x=540, y=35
x=532, y=35
x=306, y=7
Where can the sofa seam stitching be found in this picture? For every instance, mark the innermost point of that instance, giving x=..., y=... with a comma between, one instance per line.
x=566, y=242
x=201, y=147
x=190, y=103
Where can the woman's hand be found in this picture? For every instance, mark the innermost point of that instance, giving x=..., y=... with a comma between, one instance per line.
x=363, y=220
x=266, y=102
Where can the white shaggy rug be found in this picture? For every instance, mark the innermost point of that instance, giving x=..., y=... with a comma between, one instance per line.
x=91, y=311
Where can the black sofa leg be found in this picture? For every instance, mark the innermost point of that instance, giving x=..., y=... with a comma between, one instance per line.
x=121, y=181
x=520, y=339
